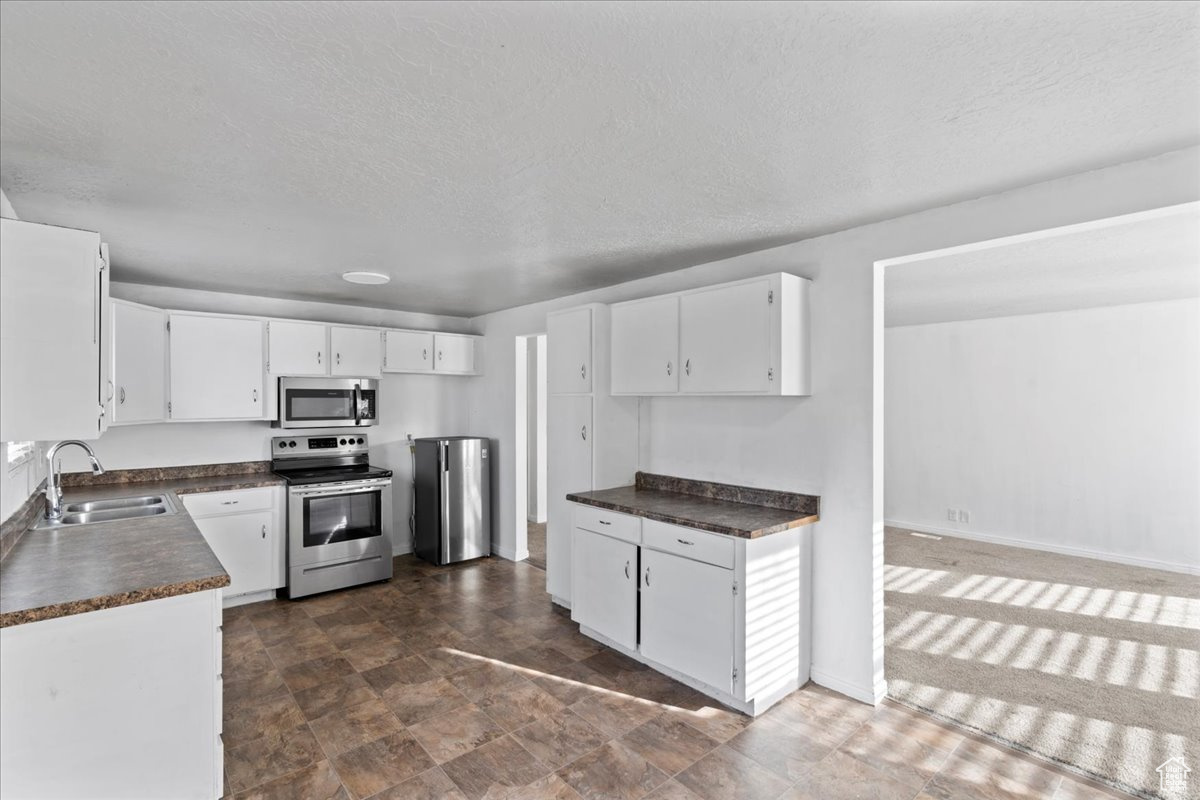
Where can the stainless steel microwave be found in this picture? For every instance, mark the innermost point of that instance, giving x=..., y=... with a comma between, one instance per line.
x=327, y=402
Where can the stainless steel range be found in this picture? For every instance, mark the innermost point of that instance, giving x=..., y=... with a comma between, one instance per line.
x=339, y=512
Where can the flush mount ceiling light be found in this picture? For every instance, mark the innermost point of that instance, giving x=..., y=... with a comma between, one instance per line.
x=366, y=277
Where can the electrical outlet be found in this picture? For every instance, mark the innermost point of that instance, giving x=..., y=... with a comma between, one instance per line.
x=952, y=514
x=964, y=515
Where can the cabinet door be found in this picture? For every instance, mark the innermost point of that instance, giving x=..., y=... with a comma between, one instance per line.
x=297, y=348
x=245, y=546
x=455, y=354
x=569, y=352
x=568, y=469
x=357, y=352
x=407, y=351
x=139, y=363
x=216, y=367
x=605, y=593
x=725, y=339
x=687, y=617
x=645, y=346
x=53, y=294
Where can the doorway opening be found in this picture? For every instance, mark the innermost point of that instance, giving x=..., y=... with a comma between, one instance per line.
x=530, y=523
x=1019, y=593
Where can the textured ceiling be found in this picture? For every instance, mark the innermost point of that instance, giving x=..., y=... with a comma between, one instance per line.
x=1137, y=259
x=493, y=154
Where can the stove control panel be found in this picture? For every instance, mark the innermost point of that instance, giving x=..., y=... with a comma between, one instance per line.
x=341, y=445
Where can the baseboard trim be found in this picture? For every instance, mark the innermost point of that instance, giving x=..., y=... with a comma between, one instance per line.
x=510, y=554
x=1061, y=549
x=401, y=551
x=864, y=694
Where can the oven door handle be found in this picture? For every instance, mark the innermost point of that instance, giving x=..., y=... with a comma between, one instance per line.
x=349, y=490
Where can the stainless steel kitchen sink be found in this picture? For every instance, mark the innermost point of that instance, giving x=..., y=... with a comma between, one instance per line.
x=87, y=512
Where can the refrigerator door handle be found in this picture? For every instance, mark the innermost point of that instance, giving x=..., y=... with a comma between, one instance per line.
x=444, y=501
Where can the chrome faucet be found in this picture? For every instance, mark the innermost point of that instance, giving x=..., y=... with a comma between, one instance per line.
x=54, y=476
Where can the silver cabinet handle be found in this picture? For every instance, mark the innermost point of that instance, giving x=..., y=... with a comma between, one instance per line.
x=583, y=371
x=626, y=570
x=424, y=353
x=647, y=576
x=583, y=432
x=668, y=367
x=255, y=395
x=439, y=355
x=121, y=396
x=264, y=531
x=318, y=356
x=687, y=367
x=110, y=390
x=339, y=359
x=685, y=541
x=229, y=502
x=604, y=522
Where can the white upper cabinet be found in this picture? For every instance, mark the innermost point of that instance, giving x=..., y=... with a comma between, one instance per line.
x=407, y=351
x=297, y=349
x=53, y=332
x=357, y=352
x=645, y=346
x=216, y=367
x=455, y=353
x=725, y=339
x=139, y=363
x=747, y=337
x=569, y=351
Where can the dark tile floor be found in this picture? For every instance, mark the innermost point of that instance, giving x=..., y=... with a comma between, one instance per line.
x=467, y=683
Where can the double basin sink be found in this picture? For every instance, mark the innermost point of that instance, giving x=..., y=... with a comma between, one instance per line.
x=118, y=508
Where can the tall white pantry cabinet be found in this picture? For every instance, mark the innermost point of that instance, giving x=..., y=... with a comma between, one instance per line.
x=594, y=435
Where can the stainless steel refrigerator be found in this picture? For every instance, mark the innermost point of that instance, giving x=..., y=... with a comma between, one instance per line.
x=453, y=499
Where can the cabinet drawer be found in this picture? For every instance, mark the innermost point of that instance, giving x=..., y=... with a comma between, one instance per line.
x=711, y=548
x=619, y=526
x=207, y=504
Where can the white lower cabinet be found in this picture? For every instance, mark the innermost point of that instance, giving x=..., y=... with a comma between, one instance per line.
x=244, y=530
x=687, y=617
x=119, y=703
x=726, y=615
x=605, y=581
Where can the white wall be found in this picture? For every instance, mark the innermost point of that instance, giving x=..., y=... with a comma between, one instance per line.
x=824, y=444
x=423, y=405
x=1074, y=431
x=535, y=397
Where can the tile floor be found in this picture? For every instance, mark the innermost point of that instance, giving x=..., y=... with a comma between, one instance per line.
x=466, y=683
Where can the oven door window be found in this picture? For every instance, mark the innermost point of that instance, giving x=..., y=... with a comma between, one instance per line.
x=317, y=405
x=342, y=518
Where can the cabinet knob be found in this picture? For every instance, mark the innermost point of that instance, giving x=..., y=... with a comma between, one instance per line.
x=264, y=531
x=583, y=432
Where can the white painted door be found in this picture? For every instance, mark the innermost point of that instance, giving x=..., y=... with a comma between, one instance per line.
x=407, y=351
x=687, y=617
x=645, y=346
x=569, y=445
x=725, y=339
x=139, y=363
x=357, y=352
x=605, y=592
x=297, y=348
x=216, y=367
x=455, y=354
x=569, y=352
x=245, y=546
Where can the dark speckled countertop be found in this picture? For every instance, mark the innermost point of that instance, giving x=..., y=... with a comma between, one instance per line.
x=56, y=573
x=741, y=511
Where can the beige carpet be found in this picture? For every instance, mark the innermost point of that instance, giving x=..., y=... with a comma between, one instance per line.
x=1088, y=663
x=537, y=545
